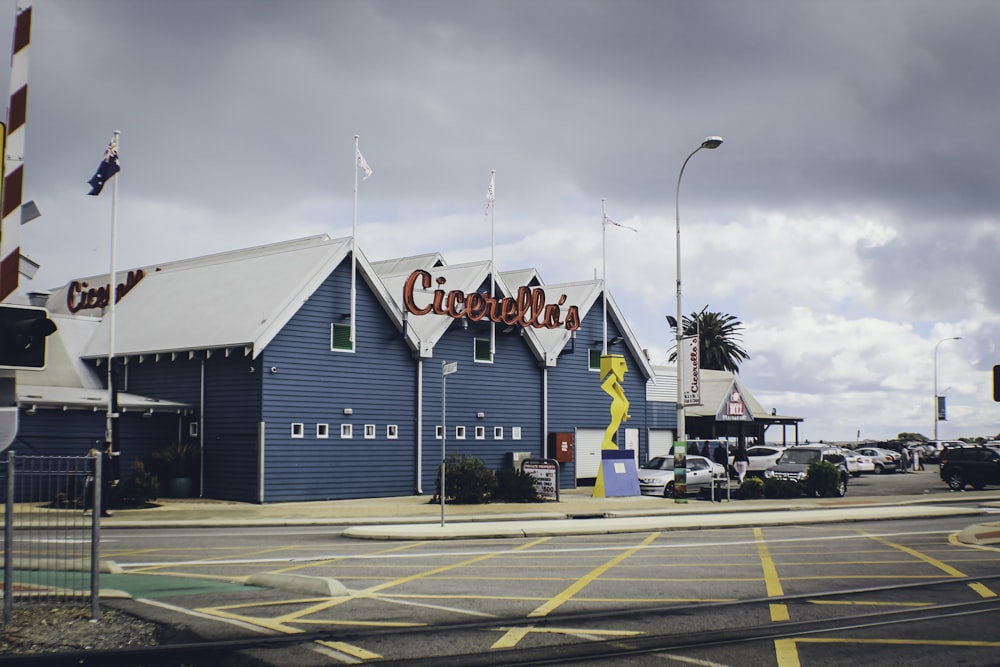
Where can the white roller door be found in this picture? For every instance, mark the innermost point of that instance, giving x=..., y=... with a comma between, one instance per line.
x=588, y=452
x=660, y=441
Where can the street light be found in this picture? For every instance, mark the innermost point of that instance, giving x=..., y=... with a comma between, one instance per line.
x=935, y=382
x=710, y=143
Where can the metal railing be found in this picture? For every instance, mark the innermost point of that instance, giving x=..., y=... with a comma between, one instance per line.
x=51, y=546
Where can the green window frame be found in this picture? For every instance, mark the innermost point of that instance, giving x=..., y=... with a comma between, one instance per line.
x=594, y=360
x=340, y=338
x=481, y=351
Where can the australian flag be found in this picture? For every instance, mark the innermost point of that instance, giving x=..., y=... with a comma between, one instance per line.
x=109, y=167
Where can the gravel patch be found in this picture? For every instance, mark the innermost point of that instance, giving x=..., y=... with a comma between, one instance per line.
x=50, y=628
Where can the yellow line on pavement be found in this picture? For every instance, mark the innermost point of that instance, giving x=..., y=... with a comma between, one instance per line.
x=981, y=589
x=351, y=650
x=582, y=582
x=320, y=563
x=786, y=653
x=779, y=612
x=512, y=636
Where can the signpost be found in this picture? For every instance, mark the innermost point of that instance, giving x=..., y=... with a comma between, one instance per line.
x=446, y=370
x=545, y=473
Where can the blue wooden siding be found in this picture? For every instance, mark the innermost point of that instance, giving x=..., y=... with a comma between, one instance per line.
x=508, y=392
x=314, y=385
x=576, y=399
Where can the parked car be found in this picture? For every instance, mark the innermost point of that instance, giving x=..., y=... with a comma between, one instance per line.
x=762, y=457
x=793, y=465
x=857, y=462
x=656, y=478
x=885, y=460
x=931, y=452
x=976, y=465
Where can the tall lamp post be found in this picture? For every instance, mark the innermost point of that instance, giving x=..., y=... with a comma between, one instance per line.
x=935, y=382
x=710, y=143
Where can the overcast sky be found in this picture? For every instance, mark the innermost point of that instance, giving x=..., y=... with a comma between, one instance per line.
x=851, y=219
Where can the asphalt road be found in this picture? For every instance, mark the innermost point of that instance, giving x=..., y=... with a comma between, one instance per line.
x=868, y=593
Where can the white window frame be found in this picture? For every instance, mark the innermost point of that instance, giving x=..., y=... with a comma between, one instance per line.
x=590, y=354
x=438, y=432
x=333, y=348
x=392, y=432
x=369, y=431
x=515, y=432
x=346, y=431
x=298, y=430
x=322, y=431
x=498, y=432
x=480, y=433
x=460, y=433
x=476, y=359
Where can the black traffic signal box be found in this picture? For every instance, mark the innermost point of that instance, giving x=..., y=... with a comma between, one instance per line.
x=23, y=330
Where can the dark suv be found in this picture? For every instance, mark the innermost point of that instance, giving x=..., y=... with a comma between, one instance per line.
x=793, y=465
x=976, y=465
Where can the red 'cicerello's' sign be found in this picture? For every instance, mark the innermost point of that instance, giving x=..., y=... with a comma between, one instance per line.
x=527, y=309
x=81, y=296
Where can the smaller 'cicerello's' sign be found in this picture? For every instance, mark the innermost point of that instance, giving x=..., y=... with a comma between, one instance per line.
x=81, y=296
x=527, y=309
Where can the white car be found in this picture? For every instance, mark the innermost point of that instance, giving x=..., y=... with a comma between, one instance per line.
x=857, y=463
x=762, y=457
x=656, y=478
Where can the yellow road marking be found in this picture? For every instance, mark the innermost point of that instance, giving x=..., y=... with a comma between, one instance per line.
x=786, y=653
x=583, y=581
x=320, y=563
x=779, y=612
x=351, y=650
x=981, y=589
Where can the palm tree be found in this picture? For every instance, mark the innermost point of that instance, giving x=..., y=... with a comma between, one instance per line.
x=719, y=336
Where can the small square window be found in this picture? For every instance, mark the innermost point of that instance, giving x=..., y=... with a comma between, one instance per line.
x=438, y=432
x=369, y=431
x=322, y=430
x=515, y=432
x=340, y=338
x=346, y=431
x=481, y=351
x=594, y=360
x=193, y=429
x=480, y=433
x=392, y=432
x=298, y=430
x=460, y=433
x=498, y=432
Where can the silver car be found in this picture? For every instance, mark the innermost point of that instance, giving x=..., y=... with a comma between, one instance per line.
x=656, y=478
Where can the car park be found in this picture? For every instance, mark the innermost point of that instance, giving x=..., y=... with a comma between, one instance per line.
x=656, y=477
x=762, y=457
x=793, y=465
x=975, y=465
x=884, y=460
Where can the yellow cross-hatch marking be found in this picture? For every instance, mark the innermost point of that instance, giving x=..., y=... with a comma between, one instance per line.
x=981, y=589
x=779, y=612
x=586, y=579
x=512, y=636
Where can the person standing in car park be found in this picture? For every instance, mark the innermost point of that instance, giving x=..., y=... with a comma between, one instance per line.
x=741, y=461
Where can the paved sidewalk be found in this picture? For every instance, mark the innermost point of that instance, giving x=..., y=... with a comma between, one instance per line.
x=576, y=512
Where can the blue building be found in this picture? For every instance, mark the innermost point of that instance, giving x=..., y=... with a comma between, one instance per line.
x=302, y=371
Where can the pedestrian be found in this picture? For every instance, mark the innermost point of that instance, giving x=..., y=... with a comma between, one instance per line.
x=741, y=461
x=906, y=459
x=706, y=451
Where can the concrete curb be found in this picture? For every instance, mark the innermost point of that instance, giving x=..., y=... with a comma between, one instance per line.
x=604, y=526
x=981, y=534
x=299, y=583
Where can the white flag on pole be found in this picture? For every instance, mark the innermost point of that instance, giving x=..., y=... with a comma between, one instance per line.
x=490, y=194
x=363, y=165
x=609, y=221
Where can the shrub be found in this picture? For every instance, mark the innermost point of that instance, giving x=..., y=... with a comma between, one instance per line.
x=515, y=486
x=140, y=488
x=780, y=488
x=179, y=459
x=823, y=480
x=467, y=481
x=752, y=488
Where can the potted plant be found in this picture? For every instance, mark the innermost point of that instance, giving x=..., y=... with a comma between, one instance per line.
x=177, y=466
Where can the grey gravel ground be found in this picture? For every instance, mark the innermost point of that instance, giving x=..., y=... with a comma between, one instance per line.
x=55, y=628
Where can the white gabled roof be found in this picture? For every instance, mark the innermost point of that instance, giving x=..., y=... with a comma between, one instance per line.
x=34, y=396
x=408, y=264
x=235, y=299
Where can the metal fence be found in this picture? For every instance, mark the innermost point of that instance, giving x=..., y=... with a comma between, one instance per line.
x=51, y=547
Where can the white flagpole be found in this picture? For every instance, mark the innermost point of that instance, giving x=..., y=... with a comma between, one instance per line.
x=493, y=266
x=112, y=293
x=604, y=274
x=354, y=239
